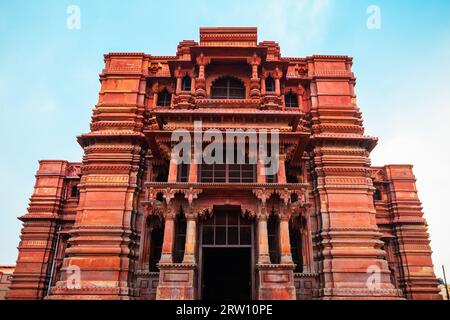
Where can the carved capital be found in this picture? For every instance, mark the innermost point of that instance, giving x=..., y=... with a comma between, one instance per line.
x=191, y=194
x=170, y=212
x=255, y=60
x=202, y=60
x=263, y=195
x=285, y=195
x=168, y=194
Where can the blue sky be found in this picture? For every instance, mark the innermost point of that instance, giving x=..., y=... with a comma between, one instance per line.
x=49, y=79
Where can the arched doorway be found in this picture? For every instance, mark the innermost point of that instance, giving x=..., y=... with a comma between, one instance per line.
x=226, y=256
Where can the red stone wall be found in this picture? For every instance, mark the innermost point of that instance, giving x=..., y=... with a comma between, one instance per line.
x=38, y=238
x=102, y=239
x=347, y=237
x=400, y=217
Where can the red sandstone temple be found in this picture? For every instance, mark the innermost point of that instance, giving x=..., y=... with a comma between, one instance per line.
x=130, y=222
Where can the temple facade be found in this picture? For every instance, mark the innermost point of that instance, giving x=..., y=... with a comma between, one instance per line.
x=132, y=221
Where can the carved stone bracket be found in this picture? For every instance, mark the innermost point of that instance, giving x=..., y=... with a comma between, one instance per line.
x=263, y=195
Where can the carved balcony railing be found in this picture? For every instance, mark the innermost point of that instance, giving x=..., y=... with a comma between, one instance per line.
x=226, y=193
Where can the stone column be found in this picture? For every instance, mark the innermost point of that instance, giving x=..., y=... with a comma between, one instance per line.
x=173, y=170
x=277, y=87
x=263, y=240
x=193, y=169
x=261, y=172
x=281, y=168
x=191, y=239
x=300, y=96
x=285, y=242
x=277, y=78
x=155, y=94
x=200, y=83
x=263, y=86
x=179, y=77
x=169, y=235
x=255, y=85
x=192, y=84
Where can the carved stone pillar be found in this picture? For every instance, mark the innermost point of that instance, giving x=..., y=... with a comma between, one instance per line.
x=300, y=96
x=263, y=241
x=193, y=85
x=177, y=281
x=200, y=82
x=193, y=170
x=169, y=235
x=263, y=86
x=282, y=168
x=261, y=172
x=285, y=243
x=173, y=170
x=255, y=91
x=155, y=88
x=278, y=76
x=277, y=87
x=179, y=80
x=191, y=239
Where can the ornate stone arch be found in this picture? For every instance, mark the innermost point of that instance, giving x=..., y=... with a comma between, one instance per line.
x=239, y=78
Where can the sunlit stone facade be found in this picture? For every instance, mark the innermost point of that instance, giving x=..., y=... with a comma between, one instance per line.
x=130, y=222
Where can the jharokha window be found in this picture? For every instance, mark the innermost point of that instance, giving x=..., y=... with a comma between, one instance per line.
x=228, y=88
x=270, y=84
x=291, y=100
x=186, y=83
x=164, y=98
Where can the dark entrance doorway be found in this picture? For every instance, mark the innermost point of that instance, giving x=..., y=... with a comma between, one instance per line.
x=226, y=274
x=226, y=256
